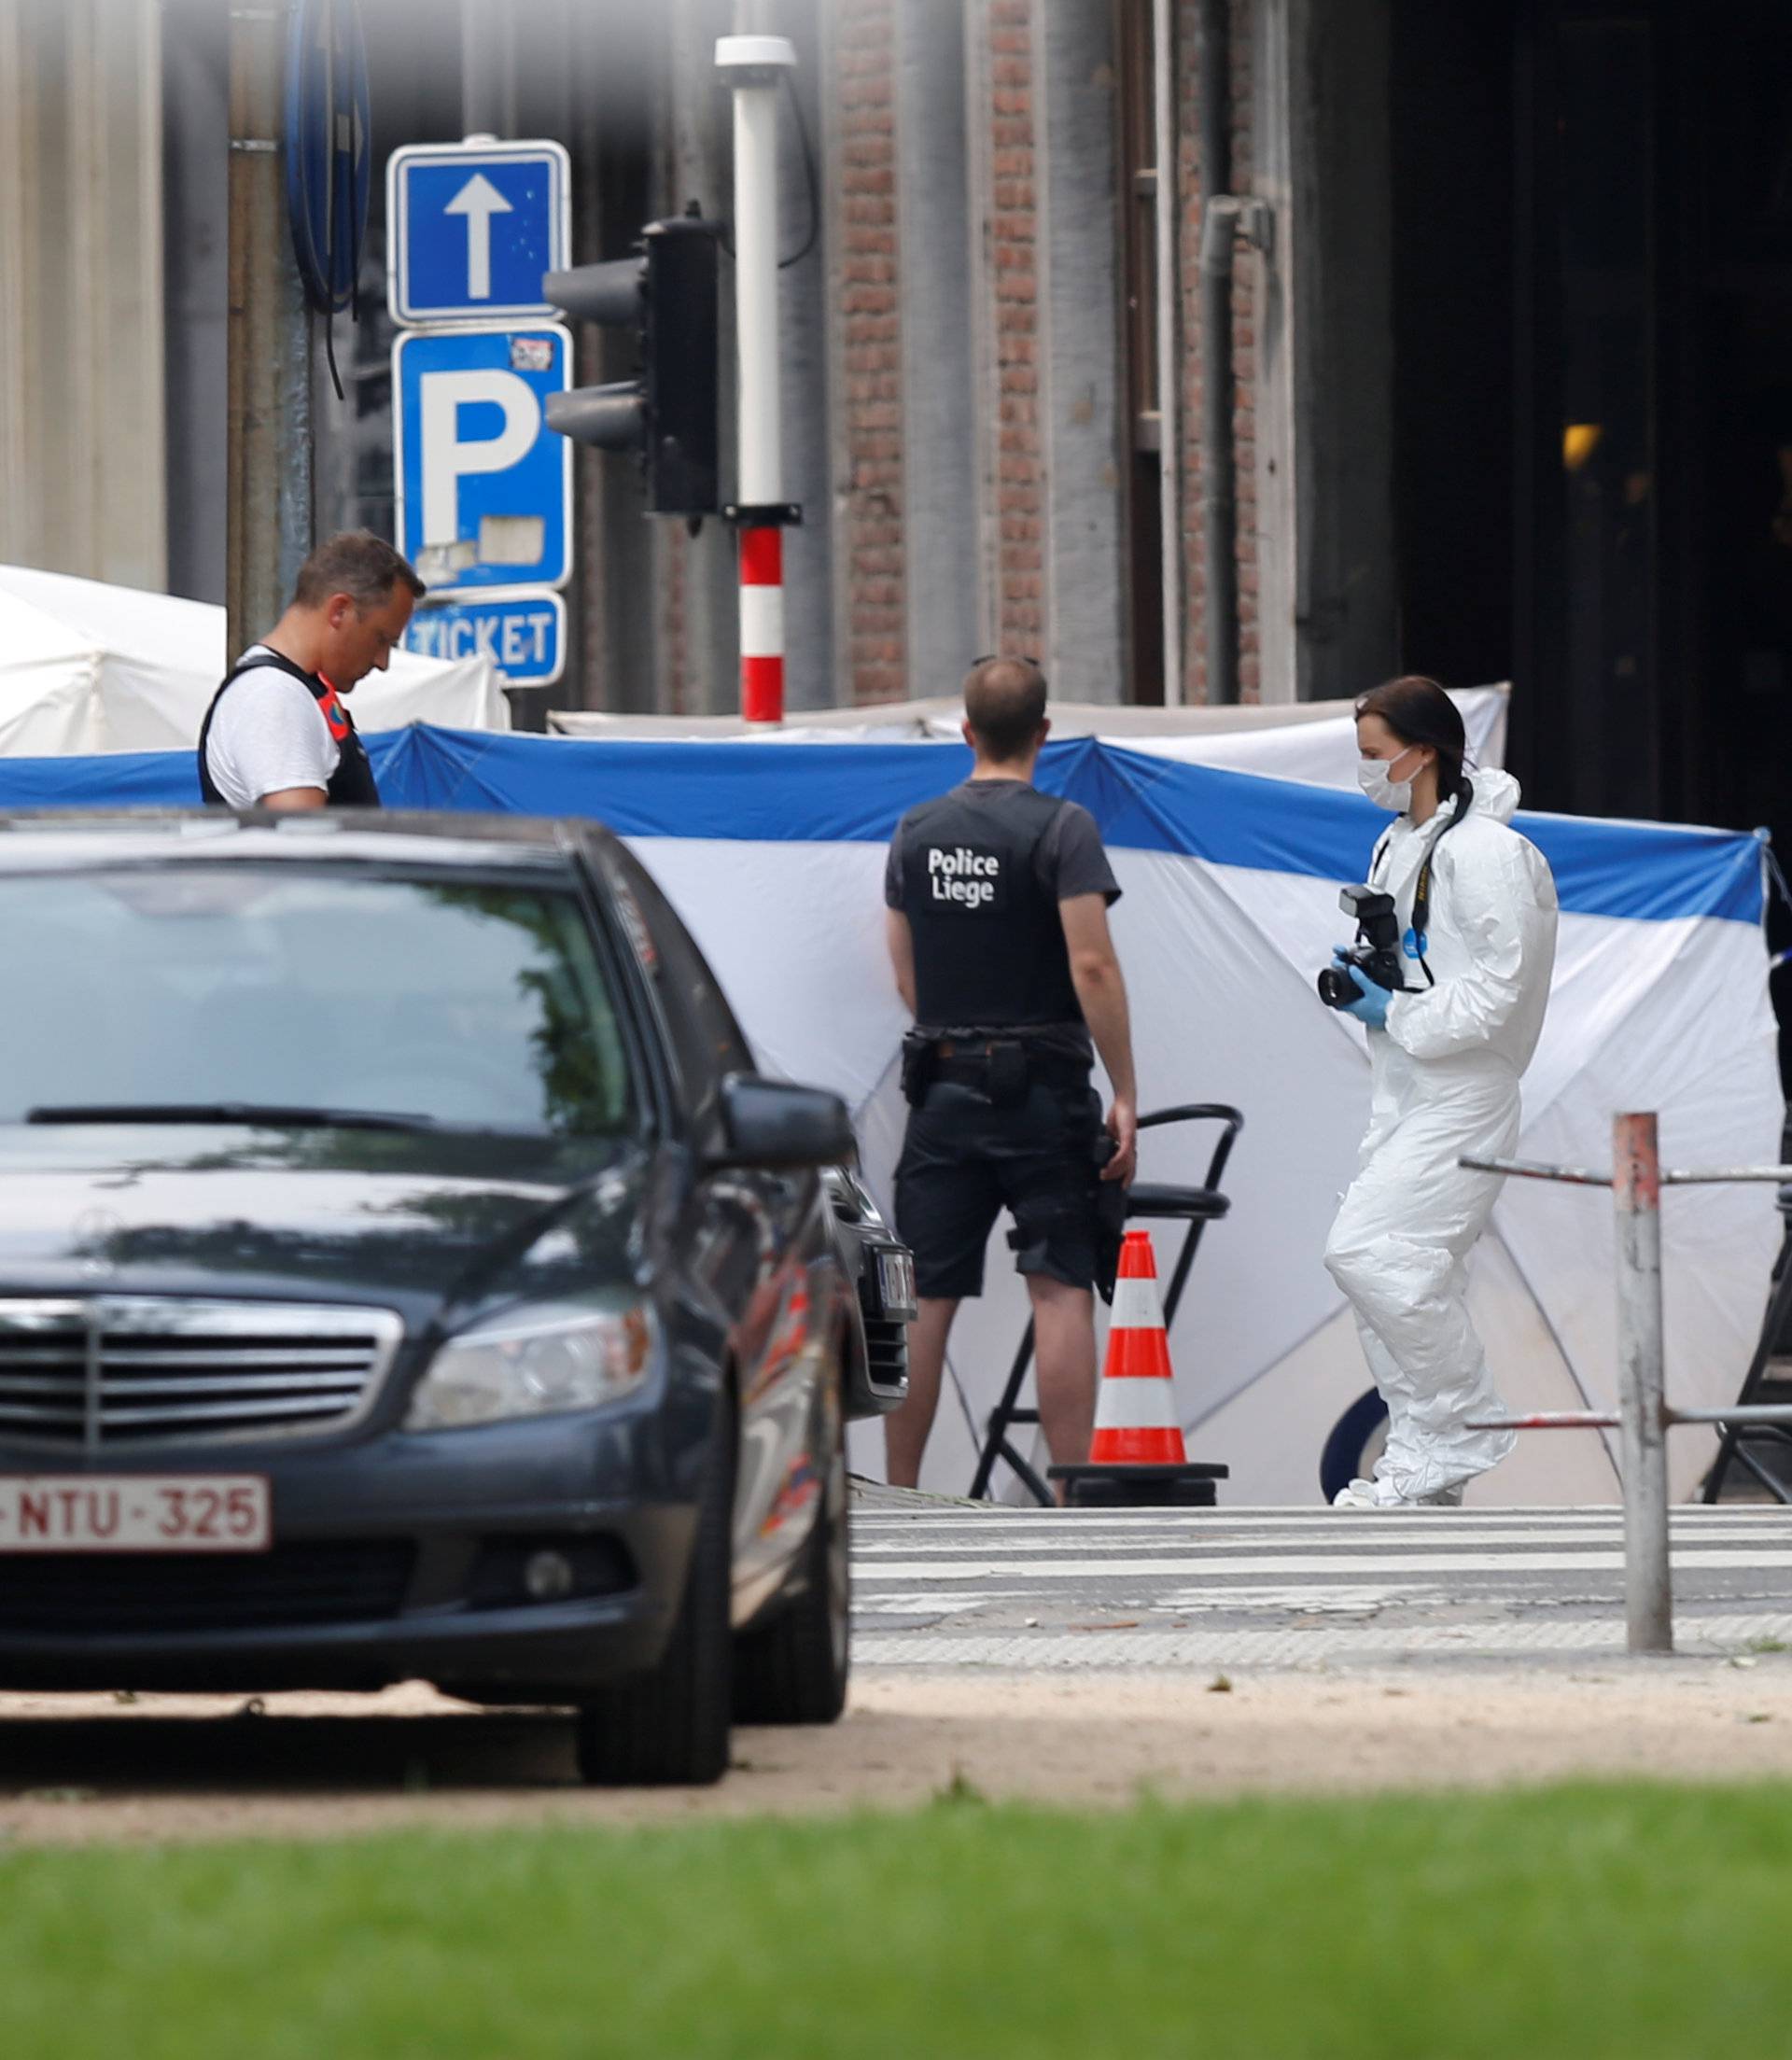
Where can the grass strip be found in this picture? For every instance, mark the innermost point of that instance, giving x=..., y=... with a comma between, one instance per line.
x=1583, y=1921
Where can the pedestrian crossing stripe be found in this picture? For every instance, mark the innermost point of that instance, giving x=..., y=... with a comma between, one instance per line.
x=1320, y=1562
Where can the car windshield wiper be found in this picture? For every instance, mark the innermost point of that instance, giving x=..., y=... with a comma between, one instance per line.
x=272, y=1116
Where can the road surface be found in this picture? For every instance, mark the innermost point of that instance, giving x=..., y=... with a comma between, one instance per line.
x=952, y=1585
x=1061, y=1657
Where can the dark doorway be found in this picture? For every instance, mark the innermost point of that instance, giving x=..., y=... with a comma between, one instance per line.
x=1653, y=573
x=1745, y=394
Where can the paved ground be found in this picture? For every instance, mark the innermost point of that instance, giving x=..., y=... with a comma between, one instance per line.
x=1067, y=1657
x=952, y=1585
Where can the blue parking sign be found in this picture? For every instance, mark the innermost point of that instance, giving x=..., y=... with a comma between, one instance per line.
x=471, y=228
x=484, y=487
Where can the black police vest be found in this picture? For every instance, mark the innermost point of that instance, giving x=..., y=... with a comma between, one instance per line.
x=989, y=950
x=352, y=785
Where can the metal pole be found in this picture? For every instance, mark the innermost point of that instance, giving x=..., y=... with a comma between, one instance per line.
x=268, y=516
x=754, y=64
x=487, y=69
x=1636, y=1193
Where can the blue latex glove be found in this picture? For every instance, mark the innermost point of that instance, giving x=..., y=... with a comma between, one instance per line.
x=1371, y=1004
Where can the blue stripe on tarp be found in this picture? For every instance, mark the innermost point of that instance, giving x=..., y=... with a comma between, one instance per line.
x=1649, y=871
x=816, y=794
x=114, y=779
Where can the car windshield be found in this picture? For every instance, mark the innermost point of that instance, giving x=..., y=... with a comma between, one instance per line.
x=205, y=990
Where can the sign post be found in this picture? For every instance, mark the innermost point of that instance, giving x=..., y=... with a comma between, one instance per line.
x=484, y=490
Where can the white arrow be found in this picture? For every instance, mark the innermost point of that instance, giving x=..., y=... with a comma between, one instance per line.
x=479, y=200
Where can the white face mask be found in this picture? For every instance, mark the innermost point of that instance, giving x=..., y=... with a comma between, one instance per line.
x=1372, y=777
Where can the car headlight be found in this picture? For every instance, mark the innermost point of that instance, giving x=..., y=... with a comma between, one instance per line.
x=535, y=1362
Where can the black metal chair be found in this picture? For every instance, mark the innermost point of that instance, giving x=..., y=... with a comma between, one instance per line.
x=1146, y=1201
x=1760, y=1385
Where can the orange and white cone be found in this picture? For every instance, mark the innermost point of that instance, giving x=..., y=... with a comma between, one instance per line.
x=1135, y=1412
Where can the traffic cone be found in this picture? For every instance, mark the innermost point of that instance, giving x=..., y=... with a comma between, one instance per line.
x=1135, y=1410
x=1137, y=1458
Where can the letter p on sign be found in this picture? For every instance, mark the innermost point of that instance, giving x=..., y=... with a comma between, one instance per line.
x=448, y=457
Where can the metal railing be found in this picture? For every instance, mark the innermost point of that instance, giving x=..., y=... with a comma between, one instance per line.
x=1643, y=1416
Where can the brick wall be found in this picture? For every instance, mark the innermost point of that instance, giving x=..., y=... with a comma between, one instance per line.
x=871, y=508
x=1013, y=256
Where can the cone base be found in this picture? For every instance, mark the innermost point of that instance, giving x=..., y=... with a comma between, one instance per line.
x=1189, y=1486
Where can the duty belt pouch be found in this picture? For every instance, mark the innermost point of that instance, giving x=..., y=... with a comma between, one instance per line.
x=1010, y=1074
x=920, y=1061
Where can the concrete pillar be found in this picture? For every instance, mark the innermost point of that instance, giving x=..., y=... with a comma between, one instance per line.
x=195, y=212
x=1325, y=394
x=81, y=351
x=939, y=415
x=985, y=408
x=1082, y=374
x=1279, y=502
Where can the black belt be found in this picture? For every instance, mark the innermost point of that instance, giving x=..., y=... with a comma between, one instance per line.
x=1051, y=1069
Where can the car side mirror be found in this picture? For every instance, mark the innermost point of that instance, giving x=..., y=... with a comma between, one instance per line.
x=778, y=1125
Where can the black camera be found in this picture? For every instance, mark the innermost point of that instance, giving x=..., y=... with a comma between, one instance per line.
x=1376, y=953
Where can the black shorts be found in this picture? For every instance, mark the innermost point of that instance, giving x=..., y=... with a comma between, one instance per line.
x=963, y=1161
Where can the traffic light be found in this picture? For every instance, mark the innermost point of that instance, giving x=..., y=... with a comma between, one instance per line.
x=668, y=294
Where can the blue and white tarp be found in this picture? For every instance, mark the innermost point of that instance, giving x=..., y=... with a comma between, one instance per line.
x=775, y=861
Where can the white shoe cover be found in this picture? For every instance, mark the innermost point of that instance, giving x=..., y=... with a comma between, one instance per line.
x=1378, y=1494
x=1360, y=1494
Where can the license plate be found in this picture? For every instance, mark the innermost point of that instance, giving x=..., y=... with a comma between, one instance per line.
x=134, y=1513
x=896, y=1285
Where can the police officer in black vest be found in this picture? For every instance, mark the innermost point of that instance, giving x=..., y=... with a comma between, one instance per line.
x=278, y=735
x=997, y=900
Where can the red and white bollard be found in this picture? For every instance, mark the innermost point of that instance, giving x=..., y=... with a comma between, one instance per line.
x=762, y=622
x=753, y=65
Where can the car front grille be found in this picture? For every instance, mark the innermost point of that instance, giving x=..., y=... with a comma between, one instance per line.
x=83, y=1593
x=102, y=1372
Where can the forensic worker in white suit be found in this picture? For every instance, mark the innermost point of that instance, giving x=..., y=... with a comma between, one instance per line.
x=1474, y=907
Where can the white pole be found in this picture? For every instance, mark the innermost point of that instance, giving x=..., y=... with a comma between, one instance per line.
x=752, y=66
x=1636, y=1192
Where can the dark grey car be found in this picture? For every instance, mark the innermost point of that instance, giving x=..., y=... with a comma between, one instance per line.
x=404, y=1274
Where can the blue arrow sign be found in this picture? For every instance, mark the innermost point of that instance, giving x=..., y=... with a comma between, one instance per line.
x=484, y=487
x=473, y=227
x=523, y=633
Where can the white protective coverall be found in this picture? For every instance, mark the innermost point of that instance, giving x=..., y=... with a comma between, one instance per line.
x=1445, y=1076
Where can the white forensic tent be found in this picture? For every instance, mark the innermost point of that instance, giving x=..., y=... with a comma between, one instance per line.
x=775, y=859
x=1310, y=740
x=87, y=667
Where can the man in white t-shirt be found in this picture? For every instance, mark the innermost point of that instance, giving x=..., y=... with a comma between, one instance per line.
x=277, y=734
